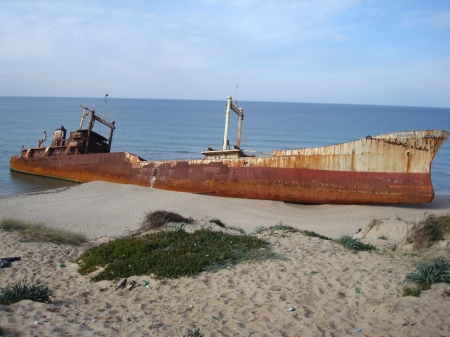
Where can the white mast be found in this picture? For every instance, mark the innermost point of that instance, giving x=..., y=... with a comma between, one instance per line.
x=227, y=120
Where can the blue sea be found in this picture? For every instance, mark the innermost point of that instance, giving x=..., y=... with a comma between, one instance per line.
x=158, y=129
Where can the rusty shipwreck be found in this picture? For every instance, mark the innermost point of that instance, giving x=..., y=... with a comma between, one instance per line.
x=391, y=168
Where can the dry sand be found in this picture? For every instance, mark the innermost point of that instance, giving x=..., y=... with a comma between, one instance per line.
x=318, y=278
x=105, y=209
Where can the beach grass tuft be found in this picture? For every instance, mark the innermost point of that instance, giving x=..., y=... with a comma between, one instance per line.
x=42, y=233
x=436, y=271
x=352, y=243
x=157, y=219
x=259, y=230
x=283, y=227
x=22, y=290
x=172, y=254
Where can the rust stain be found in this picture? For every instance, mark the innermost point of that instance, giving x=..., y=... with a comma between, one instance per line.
x=386, y=169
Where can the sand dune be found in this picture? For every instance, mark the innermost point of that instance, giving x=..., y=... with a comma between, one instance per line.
x=333, y=291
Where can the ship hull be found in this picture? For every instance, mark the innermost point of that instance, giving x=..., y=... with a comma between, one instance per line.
x=387, y=169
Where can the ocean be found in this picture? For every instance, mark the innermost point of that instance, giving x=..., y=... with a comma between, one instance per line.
x=156, y=129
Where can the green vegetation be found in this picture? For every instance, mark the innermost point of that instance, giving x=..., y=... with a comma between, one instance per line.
x=160, y=218
x=383, y=237
x=42, y=233
x=354, y=244
x=2, y=333
x=282, y=227
x=444, y=221
x=237, y=229
x=22, y=290
x=259, y=230
x=446, y=293
x=194, y=333
x=289, y=229
x=415, y=290
x=394, y=246
x=435, y=271
x=315, y=235
x=171, y=254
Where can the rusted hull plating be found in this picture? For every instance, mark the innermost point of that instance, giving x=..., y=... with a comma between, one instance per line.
x=387, y=169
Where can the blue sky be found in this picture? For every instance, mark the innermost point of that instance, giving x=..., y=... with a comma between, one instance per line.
x=320, y=51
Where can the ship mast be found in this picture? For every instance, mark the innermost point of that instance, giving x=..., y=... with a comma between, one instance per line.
x=240, y=112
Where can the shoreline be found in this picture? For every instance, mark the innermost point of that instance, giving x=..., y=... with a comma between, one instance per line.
x=99, y=209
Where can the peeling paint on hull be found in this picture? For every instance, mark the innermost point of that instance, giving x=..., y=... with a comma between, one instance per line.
x=387, y=169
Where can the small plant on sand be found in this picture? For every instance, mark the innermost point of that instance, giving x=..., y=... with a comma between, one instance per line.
x=171, y=254
x=351, y=243
x=383, y=237
x=2, y=333
x=435, y=271
x=259, y=230
x=180, y=228
x=315, y=235
x=22, y=290
x=282, y=227
x=427, y=231
x=446, y=293
x=237, y=229
x=43, y=233
x=414, y=290
x=394, y=246
x=160, y=218
x=195, y=333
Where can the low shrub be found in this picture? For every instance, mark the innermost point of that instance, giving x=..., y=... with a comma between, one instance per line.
x=218, y=223
x=160, y=218
x=444, y=221
x=427, y=231
x=22, y=290
x=171, y=254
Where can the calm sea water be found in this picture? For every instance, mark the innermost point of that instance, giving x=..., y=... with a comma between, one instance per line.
x=180, y=129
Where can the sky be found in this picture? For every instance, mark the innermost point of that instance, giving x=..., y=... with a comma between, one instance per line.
x=318, y=51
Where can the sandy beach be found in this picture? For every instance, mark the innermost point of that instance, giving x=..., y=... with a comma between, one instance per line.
x=333, y=291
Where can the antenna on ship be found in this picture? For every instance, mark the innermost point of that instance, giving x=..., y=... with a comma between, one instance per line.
x=104, y=106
